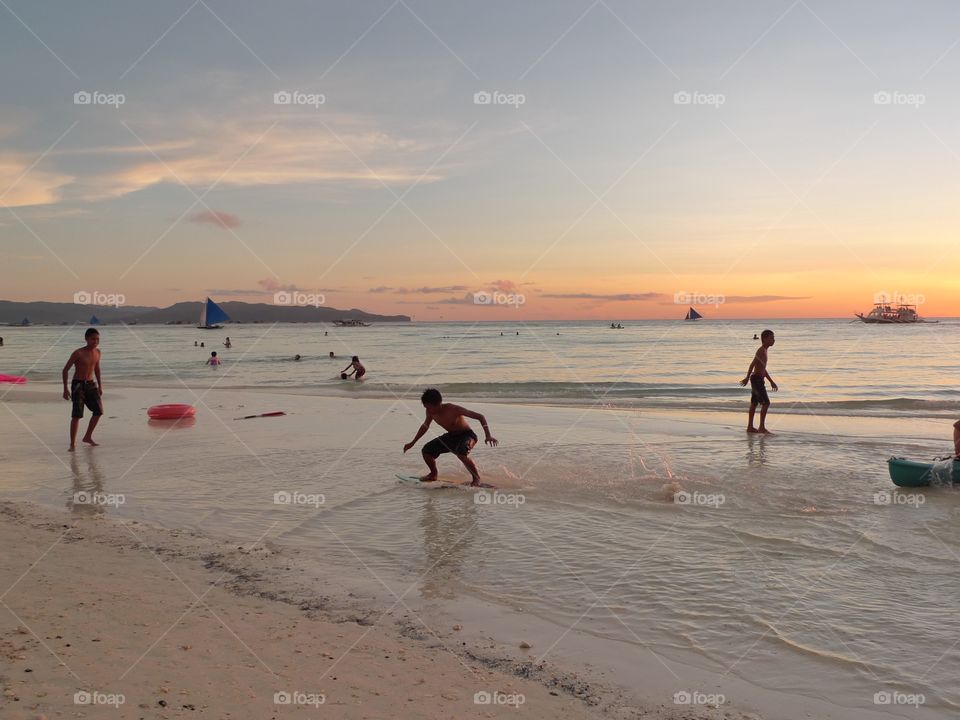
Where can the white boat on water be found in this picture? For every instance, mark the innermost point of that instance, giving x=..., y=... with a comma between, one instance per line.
x=887, y=314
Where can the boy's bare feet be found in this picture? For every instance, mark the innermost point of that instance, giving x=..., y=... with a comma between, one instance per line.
x=72, y=448
x=764, y=431
x=428, y=478
x=752, y=429
x=89, y=441
x=475, y=482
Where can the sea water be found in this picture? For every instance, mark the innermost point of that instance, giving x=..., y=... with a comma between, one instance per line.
x=633, y=505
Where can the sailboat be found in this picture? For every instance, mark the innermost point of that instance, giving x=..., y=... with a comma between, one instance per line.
x=94, y=320
x=693, y=315
x=211, y=315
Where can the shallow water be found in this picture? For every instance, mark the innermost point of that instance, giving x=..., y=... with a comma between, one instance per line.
x=790, y=561
x=823, y=367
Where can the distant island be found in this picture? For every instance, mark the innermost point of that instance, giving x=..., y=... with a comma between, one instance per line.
x=184, y=313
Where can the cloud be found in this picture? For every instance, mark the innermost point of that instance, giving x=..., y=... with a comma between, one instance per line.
x=618, y=297
x=216, y=217
x=235, y=291
x=507, y=286
x=270, y=285
x=380, y=289
x=763, y=298
x=21, y=186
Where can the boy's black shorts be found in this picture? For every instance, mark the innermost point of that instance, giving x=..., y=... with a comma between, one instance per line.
x=758, y=394
x=85, y=392
x=457, y=443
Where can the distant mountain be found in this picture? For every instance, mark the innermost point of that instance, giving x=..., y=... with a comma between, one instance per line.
x=186, y=313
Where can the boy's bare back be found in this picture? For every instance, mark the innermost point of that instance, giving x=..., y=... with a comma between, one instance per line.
x=450, y=417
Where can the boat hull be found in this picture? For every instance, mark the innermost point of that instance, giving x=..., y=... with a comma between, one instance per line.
x=910, y=473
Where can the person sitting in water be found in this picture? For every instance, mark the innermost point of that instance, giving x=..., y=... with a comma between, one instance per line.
x=755, y=337
x=296, y=357
x=332, y=356
x=458, y=439
x=227, y=343
x=213, y=359
x=358, y=368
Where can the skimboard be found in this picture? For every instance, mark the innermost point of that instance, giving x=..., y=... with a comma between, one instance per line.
x=910, y=473
x=414, y=480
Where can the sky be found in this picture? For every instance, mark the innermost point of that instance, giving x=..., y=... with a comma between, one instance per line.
x=558, y=159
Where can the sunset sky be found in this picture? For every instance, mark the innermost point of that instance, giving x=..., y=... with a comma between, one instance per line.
x=786, y=159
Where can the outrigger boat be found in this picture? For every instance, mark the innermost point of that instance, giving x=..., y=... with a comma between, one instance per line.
x=211, y=316
x=693, y=315
x=887, y=314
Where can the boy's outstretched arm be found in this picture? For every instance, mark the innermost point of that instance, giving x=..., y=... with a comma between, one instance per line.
x=488, y=439
x=420, y=432
x=66, y=371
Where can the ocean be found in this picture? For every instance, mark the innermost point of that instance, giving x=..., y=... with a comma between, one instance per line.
x=633, y=509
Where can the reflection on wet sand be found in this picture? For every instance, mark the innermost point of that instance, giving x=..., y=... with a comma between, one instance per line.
x=448, y=533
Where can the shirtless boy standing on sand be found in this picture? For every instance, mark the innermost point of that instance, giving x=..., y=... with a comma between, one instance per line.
x=458, y=438
x=756, y=374
x=83, y=390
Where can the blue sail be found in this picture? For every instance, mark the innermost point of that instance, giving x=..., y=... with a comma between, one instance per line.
x=693, y=315
x=94, y=320
x=213, y=314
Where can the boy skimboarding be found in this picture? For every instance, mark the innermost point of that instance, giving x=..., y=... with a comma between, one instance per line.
x=458, y=439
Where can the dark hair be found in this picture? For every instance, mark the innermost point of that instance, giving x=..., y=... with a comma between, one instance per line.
x=356, y=358
x=213, y=354
x=91, y=331
x=765, y=334
x=431, y=396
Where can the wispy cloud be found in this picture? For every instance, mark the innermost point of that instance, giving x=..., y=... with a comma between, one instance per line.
x=219, y=218
x=615, y=297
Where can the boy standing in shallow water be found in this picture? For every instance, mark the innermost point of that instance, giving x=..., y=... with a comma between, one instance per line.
x=83, y=390
x=459, y=438
x=756, y=374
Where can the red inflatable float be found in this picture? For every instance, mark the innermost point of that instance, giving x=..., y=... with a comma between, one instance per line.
x=175, y=411
x=15, y=379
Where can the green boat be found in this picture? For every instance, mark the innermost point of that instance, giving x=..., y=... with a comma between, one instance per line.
x=910, y=473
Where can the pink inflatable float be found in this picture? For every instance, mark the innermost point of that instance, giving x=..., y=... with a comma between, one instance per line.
x=15, y=379
x=175, y=411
